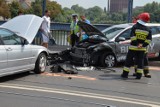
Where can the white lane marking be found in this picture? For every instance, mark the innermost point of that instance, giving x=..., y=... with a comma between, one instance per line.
x=81, y=94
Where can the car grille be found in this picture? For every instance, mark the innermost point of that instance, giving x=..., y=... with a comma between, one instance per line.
x=80, y=51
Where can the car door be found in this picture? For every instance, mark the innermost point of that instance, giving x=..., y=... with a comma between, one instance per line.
x=122, y=43
x=3, y=56
x=154, y=46
x=19, y=55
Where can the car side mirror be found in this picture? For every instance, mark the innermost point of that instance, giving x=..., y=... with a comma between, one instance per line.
x=24, y=41
x=120, y=39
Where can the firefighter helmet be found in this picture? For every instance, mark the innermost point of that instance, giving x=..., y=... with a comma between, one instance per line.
x=144, y=16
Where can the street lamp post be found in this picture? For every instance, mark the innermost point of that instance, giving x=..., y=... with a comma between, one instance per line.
x=130, y=8
x=43, y=7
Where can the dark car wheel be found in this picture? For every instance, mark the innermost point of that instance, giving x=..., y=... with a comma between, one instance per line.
x=108, y=60
x=41, y=64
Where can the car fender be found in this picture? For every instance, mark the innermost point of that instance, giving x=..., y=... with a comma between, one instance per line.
x=100, y=49
x=36, y=50
x=104, y=47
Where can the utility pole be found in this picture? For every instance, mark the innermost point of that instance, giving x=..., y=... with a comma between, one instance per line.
x=130, y=8
x=43, y=7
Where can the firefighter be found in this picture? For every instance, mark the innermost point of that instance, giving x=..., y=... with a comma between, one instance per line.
x=140, y=39
x=146, y=67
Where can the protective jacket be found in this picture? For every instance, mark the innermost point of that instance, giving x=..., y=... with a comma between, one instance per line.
x=74, y=28
x=140, y=34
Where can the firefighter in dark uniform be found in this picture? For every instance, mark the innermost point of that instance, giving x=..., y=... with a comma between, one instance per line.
x=146, y=67
x=140, y=38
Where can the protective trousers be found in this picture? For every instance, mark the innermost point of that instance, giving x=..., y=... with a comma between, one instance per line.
x=146, y=67
x=139, y=57
x=74, y=39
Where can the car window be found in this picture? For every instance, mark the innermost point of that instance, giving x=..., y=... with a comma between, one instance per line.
x=9, y=38
x=155, y=30
x=111, y=33
x=126, y=34
x=158, y=27
x=1, y=40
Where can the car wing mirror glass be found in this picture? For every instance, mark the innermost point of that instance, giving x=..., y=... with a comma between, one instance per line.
x=120, y=39
x=24, y=41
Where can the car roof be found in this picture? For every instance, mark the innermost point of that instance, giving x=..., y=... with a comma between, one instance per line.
x=131, y=24
x=128, y=25
x=124, y=25
x=152, y=24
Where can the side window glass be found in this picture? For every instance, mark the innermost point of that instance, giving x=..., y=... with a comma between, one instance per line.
x=126, y=34
x=9, y=38
x=158, y=27
x=1, y=40
x=154, y=31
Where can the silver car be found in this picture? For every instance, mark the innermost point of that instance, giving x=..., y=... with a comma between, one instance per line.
x=17, y=53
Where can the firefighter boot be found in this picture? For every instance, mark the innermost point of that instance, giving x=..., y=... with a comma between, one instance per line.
x=138, y=75
x=124, y=74
x=146, y=73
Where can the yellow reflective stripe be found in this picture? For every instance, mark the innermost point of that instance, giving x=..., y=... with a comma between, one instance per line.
x=146, y=68
x=140, y=71
x=148, y=41
x=142, y=31
x=135, y=66
x=133, y=38
x=126, y=69
x=136, y=48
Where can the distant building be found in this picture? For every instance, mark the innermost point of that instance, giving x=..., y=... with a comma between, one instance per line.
x=118, y=6
x=138, y=7
x=24, y=3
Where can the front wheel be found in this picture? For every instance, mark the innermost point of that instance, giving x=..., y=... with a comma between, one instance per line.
x=41, y=64
x=108, y=60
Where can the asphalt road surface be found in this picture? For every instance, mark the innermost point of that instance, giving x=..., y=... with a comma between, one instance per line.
x=89, y=88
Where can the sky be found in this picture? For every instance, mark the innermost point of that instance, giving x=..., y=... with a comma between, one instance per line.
x=101, y=3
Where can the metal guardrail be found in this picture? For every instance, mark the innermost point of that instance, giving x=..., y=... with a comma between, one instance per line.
x=60, y=37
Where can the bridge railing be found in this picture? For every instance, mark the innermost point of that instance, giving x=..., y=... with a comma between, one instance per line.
x=60, y=37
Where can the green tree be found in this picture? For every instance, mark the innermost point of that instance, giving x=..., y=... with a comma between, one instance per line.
x=55, y=9
x=36, y=8
x=93, y=13
x=65, y=16
x=60, y=18
x=78, y=9
x=14, y=8
x=4, y=10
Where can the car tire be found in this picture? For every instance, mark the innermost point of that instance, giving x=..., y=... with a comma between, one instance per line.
x=41, y=64
x=108, y=60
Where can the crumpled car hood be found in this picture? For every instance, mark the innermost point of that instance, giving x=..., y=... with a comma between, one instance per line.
x=89, y=29
x=25, y=26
